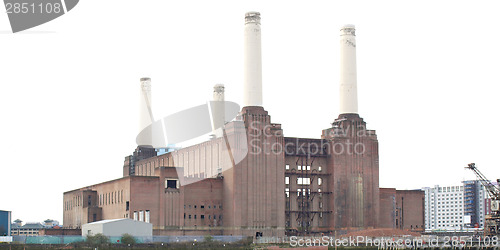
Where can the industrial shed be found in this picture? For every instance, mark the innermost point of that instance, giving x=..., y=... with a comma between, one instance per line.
x=118, y=227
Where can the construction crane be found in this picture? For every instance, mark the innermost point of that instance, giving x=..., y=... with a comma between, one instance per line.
x=492, y=220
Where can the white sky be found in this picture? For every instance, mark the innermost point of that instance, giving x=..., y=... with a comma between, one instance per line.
x=428, y=76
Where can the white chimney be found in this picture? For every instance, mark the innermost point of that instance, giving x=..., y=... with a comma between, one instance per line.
x=218, y=92
x=145, y=113
x=217, y=110
x=348, y=81
x=252, y=95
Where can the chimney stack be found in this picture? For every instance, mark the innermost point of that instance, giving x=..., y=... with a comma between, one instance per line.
x=217, y=108
x=252, y=95
x=145, y=114
x=218, y=92
x=348, y=78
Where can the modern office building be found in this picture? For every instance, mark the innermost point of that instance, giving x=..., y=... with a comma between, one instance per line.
x=455, y=208
x=5, y=222
x=474, y=204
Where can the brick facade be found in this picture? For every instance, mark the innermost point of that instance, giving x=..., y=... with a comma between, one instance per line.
x=254, y=180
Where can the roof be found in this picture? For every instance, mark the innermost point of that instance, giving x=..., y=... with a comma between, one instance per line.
x=106, y=221
x=33, y=226
x=114, y=220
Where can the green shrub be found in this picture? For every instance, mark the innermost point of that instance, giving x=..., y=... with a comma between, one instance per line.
x=209, y=238
x=97, y=240
x=127, y=239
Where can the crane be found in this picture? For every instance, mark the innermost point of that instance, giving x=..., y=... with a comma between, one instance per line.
x=492, y=220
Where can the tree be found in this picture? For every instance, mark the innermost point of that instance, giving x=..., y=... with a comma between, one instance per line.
x=98, y=239
x=127, y=239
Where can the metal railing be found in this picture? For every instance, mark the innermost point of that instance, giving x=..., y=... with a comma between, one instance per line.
x=69, y=239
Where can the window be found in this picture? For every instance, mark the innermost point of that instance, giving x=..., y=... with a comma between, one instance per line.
x=287, y=166
x=141, y=215
x=202, y=216
x=287, y=180
x=319, y=168
x=147, y=216
x=195, y=216
x=135, y=215
x=127, y=206
x=320, y=181
x=171, y=183
x=303, y=181
x=202, y=206
x=189, y=216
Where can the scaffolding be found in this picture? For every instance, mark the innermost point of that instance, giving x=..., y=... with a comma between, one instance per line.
x=305, y=195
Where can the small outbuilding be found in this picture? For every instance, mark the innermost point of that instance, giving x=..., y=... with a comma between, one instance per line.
x=118, y=227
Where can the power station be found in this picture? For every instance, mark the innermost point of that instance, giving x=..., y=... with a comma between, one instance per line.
x=248, y=178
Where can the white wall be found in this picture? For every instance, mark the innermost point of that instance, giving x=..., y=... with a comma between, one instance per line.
x=118, y=228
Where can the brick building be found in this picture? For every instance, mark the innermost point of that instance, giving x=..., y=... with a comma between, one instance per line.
x=250, y=179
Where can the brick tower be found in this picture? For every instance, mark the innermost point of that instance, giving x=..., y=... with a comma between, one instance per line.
x=253, y=189
x=353, y=152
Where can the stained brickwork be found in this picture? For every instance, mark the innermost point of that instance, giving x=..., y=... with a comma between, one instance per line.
x=353, y=164
x=254, y=180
